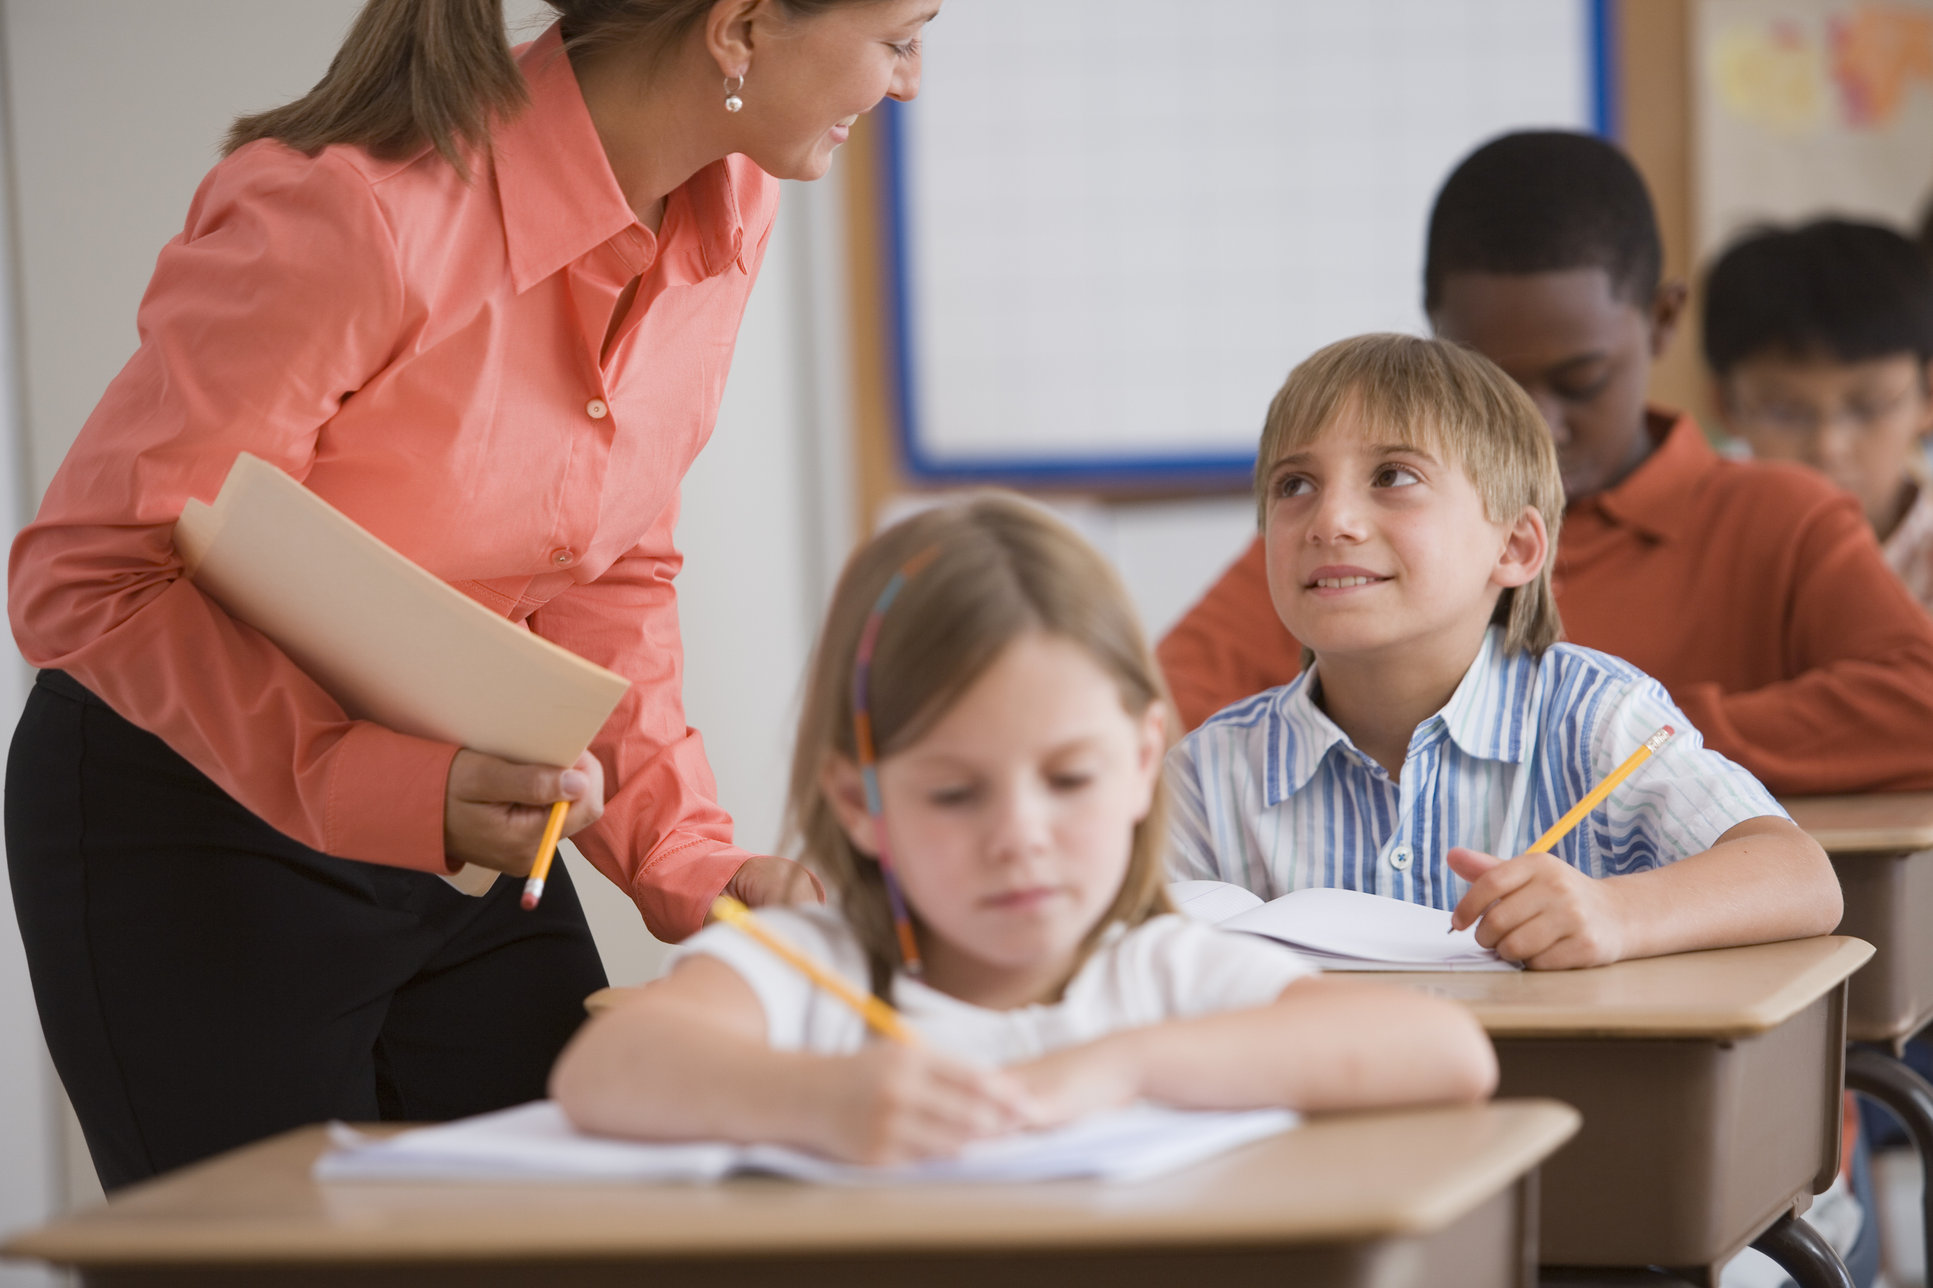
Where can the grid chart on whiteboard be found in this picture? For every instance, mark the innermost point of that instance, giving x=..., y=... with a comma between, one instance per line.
x=1120, y=222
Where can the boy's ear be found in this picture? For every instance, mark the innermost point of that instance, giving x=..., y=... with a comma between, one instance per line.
x=1525, y=548
x=845, y=791
x=1718, y=393
x=1666, y=312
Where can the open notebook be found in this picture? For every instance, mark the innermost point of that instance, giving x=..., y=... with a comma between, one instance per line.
x=1342, y=929
x=389, y=640
x=535, y=1142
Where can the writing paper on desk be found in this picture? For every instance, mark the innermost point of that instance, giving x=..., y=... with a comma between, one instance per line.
x=535, y=1142
x=390, y=641
x=1342, y=930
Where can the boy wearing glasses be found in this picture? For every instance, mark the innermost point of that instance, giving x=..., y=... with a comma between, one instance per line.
x=1821, y=339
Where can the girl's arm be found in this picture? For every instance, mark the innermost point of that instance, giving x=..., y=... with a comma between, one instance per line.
x=1324, y=1044
x=1762, y=880
x=687, y=1059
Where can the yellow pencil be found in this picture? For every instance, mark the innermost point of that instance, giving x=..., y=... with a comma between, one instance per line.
x=546, y=848
x=1562, y=827
x=881, y=1018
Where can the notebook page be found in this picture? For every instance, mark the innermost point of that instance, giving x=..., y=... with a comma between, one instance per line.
x=535, y=1142
x=1127, y=1144
x=1351, y=930
x=1212, y=901
x=532, y=1142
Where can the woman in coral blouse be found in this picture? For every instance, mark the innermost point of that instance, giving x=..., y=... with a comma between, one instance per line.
x=483, y=302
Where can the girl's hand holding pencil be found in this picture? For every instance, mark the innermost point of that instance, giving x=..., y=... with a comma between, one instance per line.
x=894, y=1103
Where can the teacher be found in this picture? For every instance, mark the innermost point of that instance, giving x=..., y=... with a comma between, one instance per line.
x=484, y=303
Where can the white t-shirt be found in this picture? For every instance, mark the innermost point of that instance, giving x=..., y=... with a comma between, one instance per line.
x=1167, y=968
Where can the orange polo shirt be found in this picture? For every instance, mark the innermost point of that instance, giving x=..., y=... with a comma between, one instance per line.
x=428, y=356
x=1754, y=592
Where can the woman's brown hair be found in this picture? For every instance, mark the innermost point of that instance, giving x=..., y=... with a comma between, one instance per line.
x=996, y=568
x=412, y=73
x=1450, y=400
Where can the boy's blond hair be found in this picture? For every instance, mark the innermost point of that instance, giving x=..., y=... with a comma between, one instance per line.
x=1454, y=403
x=994, y=568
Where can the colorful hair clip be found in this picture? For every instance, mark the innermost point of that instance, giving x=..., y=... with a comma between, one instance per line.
x=862, y=738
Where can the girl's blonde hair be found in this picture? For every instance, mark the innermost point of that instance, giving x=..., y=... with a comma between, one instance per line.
x=995, y=568
x=436, y=72
x=1453, y=403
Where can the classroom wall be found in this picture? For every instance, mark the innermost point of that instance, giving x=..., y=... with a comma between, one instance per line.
x=30, y=1137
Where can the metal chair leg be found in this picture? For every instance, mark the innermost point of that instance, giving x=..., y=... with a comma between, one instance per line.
x=1890, y=1081
x=1804, y=1254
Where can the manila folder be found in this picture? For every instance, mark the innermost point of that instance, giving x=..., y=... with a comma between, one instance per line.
x=387, y=639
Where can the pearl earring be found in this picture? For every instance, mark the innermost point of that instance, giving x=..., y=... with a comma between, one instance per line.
x=732, y=101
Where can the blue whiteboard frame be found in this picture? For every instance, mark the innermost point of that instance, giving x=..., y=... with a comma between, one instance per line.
x=1155, y=472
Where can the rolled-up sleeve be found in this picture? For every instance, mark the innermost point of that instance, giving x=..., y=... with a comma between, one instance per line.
x=663, y=838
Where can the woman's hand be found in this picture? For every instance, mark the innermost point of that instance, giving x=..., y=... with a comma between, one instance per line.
x=494, y=810
x=1538, y=910
x=894, y=1103
x=1080, y=1080
x=766, y=878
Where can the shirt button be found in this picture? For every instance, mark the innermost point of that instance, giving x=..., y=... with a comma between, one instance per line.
x=596, y=409
x=563, y=558
x=1399, y=858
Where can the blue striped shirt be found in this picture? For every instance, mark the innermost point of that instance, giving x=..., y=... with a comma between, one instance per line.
x=1271, y=795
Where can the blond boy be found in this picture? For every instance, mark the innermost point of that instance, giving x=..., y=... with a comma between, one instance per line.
x=1409, y=499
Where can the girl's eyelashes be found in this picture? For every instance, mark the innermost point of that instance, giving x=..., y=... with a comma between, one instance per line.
x=1393, y=474
x=952, y=796
x=907, y=49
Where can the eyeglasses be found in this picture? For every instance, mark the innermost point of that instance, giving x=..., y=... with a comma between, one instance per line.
x=1859, y=413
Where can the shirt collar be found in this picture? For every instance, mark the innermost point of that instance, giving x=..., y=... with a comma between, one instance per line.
x=1656, y=497
x=560, y=200
x=1484, y=718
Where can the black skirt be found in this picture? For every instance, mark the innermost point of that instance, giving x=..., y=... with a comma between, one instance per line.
x=204, y=981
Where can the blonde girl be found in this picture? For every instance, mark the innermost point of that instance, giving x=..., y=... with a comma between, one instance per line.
x=1019, y=725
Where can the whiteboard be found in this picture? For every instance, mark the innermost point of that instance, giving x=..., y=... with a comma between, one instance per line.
x=1114, y=225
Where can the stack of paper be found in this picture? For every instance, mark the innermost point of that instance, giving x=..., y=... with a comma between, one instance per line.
x=390, y=641
x=536, y=1142
x=1342, y=929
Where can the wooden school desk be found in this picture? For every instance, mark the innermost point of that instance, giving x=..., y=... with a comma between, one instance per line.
x=1882, y=848
x=1431, y=1198
x=1710, y=1088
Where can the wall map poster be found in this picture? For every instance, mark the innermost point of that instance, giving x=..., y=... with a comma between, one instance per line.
x=1808, y=107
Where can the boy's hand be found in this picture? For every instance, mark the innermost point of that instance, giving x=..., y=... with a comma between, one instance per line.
x=1538, y=910
x=1076, y=1081
x=894, y=1103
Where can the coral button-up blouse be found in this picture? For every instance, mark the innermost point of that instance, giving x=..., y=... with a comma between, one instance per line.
x=429, y=356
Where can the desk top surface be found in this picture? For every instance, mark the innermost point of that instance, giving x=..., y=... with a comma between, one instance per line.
x=1719, y=993
x=1875, y=823
x=1338, y=1177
